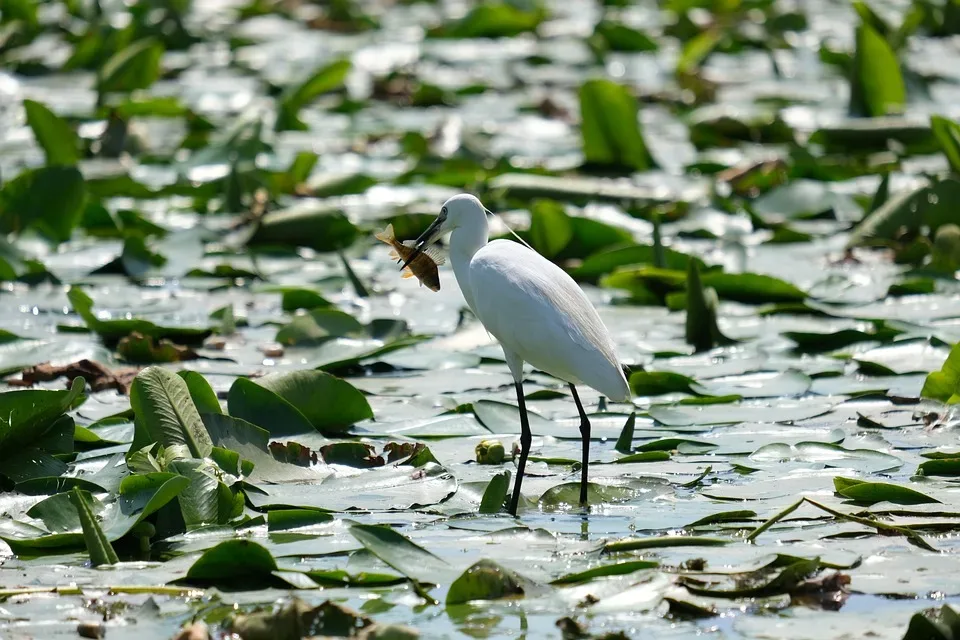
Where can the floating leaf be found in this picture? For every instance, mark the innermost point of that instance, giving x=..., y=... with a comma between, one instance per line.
x=872, y=492
x=615, y=569
x=655, y=383
x=111, y=331
x=399, y=552
x=262, y=407
x=234, y=563
x=328, y=403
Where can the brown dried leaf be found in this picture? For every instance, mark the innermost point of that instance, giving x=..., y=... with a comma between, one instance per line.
x=828, y=592
x=96, y=374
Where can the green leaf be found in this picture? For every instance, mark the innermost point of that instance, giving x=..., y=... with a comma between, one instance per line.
x=615, y=569
x=947, y=133
x=140, y=496
x=134, y=67
x=701, y=329
x=660, y=542
x=98, y=547
x=550, y=227
x=165, y=413
x=684, y=445
x=495, y=493
x=625, y=440
x=696, y=50
x=783, y=581
x=751, y=288
x=234, y=563
x=50, y=199
x=325, y=79
x=329, y=403
x=940, y=623
x=53, y=134
x=942, y=467
x=399, y=552
x=29, y=416
x=286, y=519
x=251, y=443
x=318, y=326
x=206, y=500
x=608, y=260
x=295, y=298
x=876, y=86
x=492, y=19
x=809, y=342
x=568, y=494
x=486, y=580
x=944, y=385
x=911, y=210
x=644, y=456
x=611, y=128
x=262, y=407
x=616, y=36
x=655, y=383
x=872, y=492
x=111, y=331
x=318, y=227
x=725, y=516
x=203, y=395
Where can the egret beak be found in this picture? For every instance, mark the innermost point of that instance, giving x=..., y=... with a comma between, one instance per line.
x=426, y=238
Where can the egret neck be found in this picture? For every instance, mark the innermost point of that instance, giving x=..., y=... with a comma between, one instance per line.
x=468, y=237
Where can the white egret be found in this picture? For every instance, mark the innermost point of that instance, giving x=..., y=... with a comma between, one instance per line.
x=535, y=310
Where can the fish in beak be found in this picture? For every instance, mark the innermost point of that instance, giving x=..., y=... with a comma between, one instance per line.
x=428, y=237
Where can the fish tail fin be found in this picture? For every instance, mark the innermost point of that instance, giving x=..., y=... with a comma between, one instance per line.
x=386, y=235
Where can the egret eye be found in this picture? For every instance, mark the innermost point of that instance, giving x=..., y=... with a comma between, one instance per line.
x=443, y=212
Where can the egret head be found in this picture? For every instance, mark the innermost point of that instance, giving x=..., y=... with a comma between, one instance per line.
x=456, y=212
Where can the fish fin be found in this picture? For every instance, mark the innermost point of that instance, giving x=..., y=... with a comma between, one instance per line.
x=434, y=254
x=394, y=255
x=386, y=235
x=410, y=243
x=406, y=273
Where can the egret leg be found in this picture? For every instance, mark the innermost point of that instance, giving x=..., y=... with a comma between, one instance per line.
x=525, y=440
x=585, y=438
